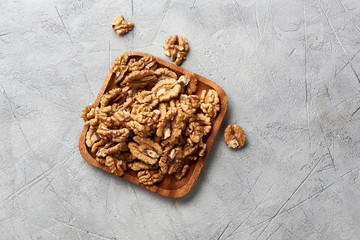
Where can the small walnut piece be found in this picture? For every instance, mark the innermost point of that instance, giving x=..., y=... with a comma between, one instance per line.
x=119, y=135
x=139, y=79
x=120, y=67
x=234, y=136
x=180, y=174
x=146, y=150
x=189, y=103
x=108, y=97
x=166, y=89
x=171, y=160
x=116, y=166
x=88, y=113
x=176, y=47
x=120, y=26
x=147, y=62
x=164, y=73
x=192, y=86
x=210, y=102
x=147, y=177
x=137, y=166
x=91, y=137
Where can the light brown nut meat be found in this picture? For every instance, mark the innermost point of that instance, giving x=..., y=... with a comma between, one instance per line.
x=125, y=156
x=210, y=102
x=234, y=136
x=202, y=151
x=115, y=166
x=195, y=132
x=144, y=123
x=119, y=147
x=98, y=144
x=177, y=127
x=166, y=116
x=203, y=119
x=140, y=129
x=147, y=62
x=101, y=152
x=88, y=113
x=112, y=94
x=166, y=89
x=138, y=79
x=120, y=26
x=176, y=47
x=145, y=149
x=100, y=160
x=180, y=174
x=147, y=177
x=138, y=166
x=190, y=150
x=171, y=160
x=183, y=81
x=110, y=149
x=121, y=117
x=189, y=103
x=91, y=137
x=120, y=67
x=101, y=118
x=192, y=86
x=147, y=99
x=148, y=118
x=164, y=73
x=183, y=48
x=119, y=135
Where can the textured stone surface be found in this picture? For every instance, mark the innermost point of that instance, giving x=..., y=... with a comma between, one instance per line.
x=290, y=69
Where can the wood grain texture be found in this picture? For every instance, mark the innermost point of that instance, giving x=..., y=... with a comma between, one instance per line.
x=169, y=186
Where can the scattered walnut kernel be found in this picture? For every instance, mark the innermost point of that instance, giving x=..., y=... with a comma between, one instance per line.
x=150, y=122
x=120, y=26
x=234, y=136
x=176, y=47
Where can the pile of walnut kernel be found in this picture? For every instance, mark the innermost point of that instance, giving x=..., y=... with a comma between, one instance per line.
x=151, y=123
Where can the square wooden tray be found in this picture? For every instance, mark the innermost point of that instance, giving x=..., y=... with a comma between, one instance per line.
x=169, y=186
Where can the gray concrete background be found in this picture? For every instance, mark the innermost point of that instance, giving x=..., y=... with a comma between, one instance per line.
x=290, y=70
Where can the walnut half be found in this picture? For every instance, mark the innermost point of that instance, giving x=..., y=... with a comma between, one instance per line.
x=234, y=136
x=176, y=47
x=120, y=26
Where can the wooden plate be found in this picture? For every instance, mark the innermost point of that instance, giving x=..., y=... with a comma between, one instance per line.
x=169, y=186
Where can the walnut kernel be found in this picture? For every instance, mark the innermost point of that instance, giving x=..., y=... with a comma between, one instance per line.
x=120, y=26
x=234, y=136
x=176, y=47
